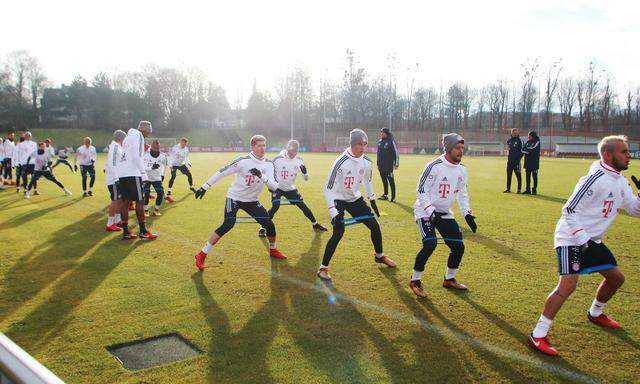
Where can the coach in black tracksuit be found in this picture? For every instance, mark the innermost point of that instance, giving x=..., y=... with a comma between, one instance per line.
x=531, y=152
x=513, y=161
x=388, y=160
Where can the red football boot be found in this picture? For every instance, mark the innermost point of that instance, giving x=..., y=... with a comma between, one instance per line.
x=542, y=344
x=277, y=254
x=148, y=235
x=112, y=228
x=603, y=321
x=128, y=236
x=200, y=257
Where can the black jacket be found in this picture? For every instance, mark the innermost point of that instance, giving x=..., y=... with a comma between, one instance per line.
x=387, y=154
x=515, y=150
x=531, y=152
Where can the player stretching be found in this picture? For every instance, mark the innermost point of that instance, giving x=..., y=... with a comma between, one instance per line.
x=86, y=156
x=111, y=179
x=155, y=163
x=25, y=163
x=41, y=163
x=586, y=216
x=442, y=182
x=179, y=158
x=252, y=173
x=63, y=155
x=287, y=166
x=131, y=175
x=349, y=171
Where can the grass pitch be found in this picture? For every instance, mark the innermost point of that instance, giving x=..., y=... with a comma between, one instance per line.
x=68, y=289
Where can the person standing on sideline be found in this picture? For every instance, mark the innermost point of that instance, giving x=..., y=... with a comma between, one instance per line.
x=531, y=152
x=388, y=159
x=86, y=155
x=513, y=160
x=443, y=181
x=594, y=204
x=131, y=175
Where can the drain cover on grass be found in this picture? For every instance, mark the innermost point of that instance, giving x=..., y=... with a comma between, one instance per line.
x=157, y=350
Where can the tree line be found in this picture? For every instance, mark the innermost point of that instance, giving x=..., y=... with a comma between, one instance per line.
x=178, y=99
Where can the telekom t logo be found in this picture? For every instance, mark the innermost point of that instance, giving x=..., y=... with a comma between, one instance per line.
x=348, y=181
x=444, y=190
x=284, y=173
x=249, y=179
x=608, y=205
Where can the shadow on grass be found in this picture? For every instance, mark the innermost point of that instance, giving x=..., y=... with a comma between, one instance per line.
x=78, y=281
x=42, y=265
x=36, y=213
x=549, y=198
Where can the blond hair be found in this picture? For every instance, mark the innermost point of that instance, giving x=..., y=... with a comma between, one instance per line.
x=608, y=143
x=256, y=138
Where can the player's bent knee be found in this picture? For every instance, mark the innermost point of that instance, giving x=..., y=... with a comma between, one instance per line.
x=429, y=245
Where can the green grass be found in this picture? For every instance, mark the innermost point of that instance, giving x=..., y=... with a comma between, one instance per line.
x=68, y=289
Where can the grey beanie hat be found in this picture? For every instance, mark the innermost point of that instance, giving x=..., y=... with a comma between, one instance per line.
x=119, y=135
x=357, y=136
x=450, y=140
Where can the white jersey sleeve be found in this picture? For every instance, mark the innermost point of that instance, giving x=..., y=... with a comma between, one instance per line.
x=583, y=194
x=368, y=184
x=424, y=206
x=631, y=202
x=227, y=170
x=463, y=194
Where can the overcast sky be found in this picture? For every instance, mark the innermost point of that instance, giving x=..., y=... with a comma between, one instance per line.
x=238, y=41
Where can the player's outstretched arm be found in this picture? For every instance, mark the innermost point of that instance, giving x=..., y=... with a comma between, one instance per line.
x=631, y=201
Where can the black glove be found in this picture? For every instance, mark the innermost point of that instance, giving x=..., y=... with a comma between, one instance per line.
x=75, y=167
x=375, y=207
x=303, y=169
x=200, y=192
x=436, y=217
x=471, y=222
x=636, y=182
x=93, y=162
x=155, y=166
x=337, y=219
x=255, y=172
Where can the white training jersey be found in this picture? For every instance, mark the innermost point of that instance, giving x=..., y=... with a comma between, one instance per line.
x=86, y=155
x=593, y=205
x=63, y=154
x=7, y=149
x=149, y=161
x=50, y=150
x=110, y=172
x=41, y=161
x=246, y=187
x=440, y=184
x=179, y=156
x=287, y=170
x=23, y=150
x=130, y=163
x=345, y=177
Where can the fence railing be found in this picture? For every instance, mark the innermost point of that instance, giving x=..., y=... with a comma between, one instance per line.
x=18, y=367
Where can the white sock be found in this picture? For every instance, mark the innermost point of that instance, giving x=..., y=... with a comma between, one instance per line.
x=542, y=328
x=417, y=275
x=169, y=190
x=314, y=223
x=110, y=221
x=157, y=207
x=117, y=219
x=451, y=273
x=272, y=245
x=322, y=266
x=596, y=308
x=207, y=247
x=146, y=207
x=379, y=255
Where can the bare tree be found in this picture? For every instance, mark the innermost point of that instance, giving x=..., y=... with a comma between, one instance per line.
x=551, y=84
x=606, y=102
x=566, y=100
x=528, y=92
